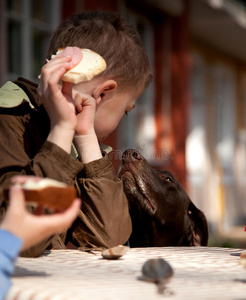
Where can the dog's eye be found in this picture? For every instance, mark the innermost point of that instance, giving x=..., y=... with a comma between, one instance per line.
x=168, y=178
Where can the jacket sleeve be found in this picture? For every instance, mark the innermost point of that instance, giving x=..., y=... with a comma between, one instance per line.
x=104, y=220
x=24, y=151
x=9, y=248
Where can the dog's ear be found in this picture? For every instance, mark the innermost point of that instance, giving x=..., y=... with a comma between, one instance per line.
x=199, y=226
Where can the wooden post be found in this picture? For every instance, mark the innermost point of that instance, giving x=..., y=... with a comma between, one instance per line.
x=180, y=91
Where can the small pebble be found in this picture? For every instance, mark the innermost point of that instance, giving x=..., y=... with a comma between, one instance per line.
x=158, y=271
x=115, y=252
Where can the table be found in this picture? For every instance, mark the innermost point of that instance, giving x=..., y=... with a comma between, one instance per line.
x=199, y=273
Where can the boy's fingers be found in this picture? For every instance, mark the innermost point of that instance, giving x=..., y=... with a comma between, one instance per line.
x=55, y=65
x=62, y=221
x=52, y=71
x=57, y=61
x=24, y=178
x=81, y=101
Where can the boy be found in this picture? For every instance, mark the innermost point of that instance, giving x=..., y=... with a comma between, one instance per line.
x=20, y=230
x=38, y=132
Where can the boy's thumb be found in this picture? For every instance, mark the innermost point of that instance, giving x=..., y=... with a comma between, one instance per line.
x=16, y=196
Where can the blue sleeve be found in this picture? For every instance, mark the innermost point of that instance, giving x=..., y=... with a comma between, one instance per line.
x=9, y=249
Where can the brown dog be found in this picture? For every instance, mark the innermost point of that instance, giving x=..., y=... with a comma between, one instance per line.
x=161, y=211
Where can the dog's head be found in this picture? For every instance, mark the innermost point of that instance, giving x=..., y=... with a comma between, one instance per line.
x=161, y=211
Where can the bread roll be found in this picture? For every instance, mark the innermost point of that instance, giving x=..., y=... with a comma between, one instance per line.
x=46, y=196
x=89, y=66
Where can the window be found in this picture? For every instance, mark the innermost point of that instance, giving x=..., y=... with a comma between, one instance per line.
x=196, y=139
x=225, y=93
x=25, y=32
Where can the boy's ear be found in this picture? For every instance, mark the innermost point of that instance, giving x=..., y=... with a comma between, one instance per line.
x=105, y=90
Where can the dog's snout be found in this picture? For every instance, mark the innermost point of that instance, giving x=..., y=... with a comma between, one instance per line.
x=136, y=155
x=131, y=155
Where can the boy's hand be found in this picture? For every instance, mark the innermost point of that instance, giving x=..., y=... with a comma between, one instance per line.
x=85, y=106
x=34, y=229
x=57, y=102
x=85, y=138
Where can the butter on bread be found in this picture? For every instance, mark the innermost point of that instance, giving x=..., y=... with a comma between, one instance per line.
x=91, y=65
x=46, y=196
x=33, y=184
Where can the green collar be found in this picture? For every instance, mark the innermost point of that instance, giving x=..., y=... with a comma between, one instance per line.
x=11, y=95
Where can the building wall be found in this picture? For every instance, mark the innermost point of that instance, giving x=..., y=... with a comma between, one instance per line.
x=216, y=148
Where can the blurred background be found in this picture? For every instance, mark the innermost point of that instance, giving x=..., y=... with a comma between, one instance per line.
x=192, y=118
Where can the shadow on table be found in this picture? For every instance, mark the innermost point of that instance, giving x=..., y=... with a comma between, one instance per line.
x=22, y=272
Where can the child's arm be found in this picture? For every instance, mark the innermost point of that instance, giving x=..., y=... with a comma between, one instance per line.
x=20, y=230
x=9, y=248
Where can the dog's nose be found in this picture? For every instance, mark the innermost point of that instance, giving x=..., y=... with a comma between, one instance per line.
x=131, y=155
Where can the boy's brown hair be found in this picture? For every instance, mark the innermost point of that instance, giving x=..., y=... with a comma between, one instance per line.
x=108, y=34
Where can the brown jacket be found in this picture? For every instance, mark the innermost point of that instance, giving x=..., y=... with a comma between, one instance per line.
x=104, y=219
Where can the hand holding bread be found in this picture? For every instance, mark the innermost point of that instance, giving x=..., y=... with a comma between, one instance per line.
x=43, y=195
x=28, y=227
